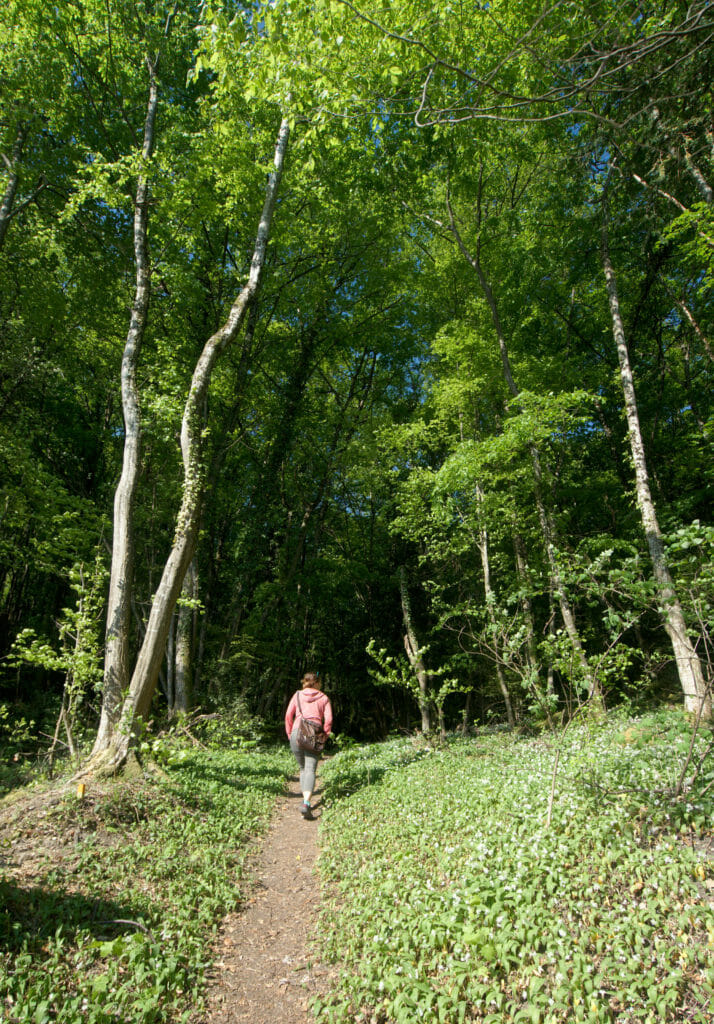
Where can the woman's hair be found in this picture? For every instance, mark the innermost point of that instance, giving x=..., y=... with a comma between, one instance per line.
x=309, y=679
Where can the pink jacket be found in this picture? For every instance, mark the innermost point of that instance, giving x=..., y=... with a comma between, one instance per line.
x=315, y=705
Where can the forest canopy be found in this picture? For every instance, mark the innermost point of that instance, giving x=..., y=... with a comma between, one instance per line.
x=371, y=339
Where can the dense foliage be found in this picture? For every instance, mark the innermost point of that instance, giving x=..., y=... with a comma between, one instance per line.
x=540, y=880
x=425, y=402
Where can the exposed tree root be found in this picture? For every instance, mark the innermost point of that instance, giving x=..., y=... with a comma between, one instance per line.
x=109, y=763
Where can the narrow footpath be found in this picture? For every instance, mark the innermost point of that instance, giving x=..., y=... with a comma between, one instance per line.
x=262, y=970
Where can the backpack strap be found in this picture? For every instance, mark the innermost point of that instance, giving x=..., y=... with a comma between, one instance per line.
x=302, y=713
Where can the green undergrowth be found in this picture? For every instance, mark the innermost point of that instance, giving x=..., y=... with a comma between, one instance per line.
x=121, y=930
x=475, y=882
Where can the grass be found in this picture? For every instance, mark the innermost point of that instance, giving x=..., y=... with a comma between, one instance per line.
x=122, y=928
x=464, y=891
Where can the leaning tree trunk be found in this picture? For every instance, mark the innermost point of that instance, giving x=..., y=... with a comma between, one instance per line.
x=143, y=682
x=697, y=698
x=416, y=661
x=116, y=656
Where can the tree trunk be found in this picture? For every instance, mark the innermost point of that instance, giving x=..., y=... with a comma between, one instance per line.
x=116, y=656
x=566, y=611
x=257, y=540
x=490, y=602
x=685, y=157
x=8, y=199
x=519, y=551
x=141, y=689
x=696, y=328
x=185, y=634
x=442, y=723
x=697, y=699
x=197, y=680
x=170, y=666
x=466, y=713
x=411, y=646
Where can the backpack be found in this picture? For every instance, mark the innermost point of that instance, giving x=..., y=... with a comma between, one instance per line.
x=310, y=737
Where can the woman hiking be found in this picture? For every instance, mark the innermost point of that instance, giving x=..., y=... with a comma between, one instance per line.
x=313, y=705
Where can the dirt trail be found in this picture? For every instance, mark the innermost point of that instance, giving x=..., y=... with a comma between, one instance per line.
x=262, y=971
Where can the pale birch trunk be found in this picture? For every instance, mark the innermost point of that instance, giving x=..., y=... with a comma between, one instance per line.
x=696, y=328
x=697, y=698
x=685, y=157
x=116, y=655
x=143, y=682
x=519, y=552
x=566, y=610
x=411, y=646
x=243, y=366
x=9, y=207
x=8, y=199
x=490, y=602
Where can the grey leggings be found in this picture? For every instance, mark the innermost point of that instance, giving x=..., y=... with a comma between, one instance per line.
x=307, y=763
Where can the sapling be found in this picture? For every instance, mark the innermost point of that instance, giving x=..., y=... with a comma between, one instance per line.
x=76, y=651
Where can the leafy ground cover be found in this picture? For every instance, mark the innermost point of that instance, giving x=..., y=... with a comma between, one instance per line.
x=112, y=918
x=506, y=879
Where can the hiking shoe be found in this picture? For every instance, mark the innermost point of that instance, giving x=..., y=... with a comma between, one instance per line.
x=306, y=811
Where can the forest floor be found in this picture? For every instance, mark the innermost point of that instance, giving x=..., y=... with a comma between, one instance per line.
x=263, y=970
x=190, y=892
x=259, y=966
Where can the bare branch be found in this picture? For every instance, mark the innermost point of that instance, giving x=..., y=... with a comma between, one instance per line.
x=590, y=70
